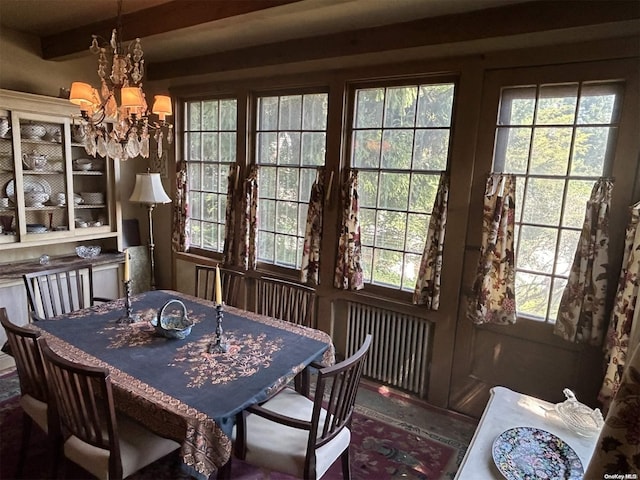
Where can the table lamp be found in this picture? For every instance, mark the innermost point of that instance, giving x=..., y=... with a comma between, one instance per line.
x=148, y=191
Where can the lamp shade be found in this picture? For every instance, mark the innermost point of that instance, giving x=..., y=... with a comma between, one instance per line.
x=148, y=189
x=162, y=106
x=81, y=94
x=131, y=97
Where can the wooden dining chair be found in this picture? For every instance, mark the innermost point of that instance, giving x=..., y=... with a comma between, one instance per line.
x=289, y=301
x=232, y=282
x=89, y=432
x=33, y=387
x=303, y=436
x=60, y=290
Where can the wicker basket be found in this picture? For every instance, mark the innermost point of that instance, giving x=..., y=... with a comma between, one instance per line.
x=172, y=321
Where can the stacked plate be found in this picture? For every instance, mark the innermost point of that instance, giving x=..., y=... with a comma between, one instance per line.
x=92, y=198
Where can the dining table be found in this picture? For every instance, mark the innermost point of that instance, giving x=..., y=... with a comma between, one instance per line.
x=183, y=388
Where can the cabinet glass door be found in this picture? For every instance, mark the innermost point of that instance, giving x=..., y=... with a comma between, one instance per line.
x=8, y=210
x=44, y=182
x=90, y=180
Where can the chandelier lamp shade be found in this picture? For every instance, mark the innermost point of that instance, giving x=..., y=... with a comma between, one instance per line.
x=116, y=118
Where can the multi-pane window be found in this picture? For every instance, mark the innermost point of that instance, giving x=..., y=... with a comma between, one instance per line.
x=558, y=140
x=291, y=136
x=209, y=149
x=400, y=145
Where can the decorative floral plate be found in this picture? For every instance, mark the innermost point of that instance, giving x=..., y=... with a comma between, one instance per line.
x=527, y=453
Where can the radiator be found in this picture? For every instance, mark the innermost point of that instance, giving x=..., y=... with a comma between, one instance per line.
x=400, y=353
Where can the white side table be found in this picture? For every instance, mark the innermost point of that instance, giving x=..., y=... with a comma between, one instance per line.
x=508, y=409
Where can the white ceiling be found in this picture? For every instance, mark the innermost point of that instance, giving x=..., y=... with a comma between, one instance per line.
x=304, y=18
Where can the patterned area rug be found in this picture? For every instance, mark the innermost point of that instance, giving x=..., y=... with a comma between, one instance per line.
x=382, y=447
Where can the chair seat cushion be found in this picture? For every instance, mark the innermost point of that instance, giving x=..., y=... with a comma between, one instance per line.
x=36, y=409
x=138, y=448
x=278, y=447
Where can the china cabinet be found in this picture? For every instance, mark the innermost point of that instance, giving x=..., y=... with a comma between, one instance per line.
x=51, y=190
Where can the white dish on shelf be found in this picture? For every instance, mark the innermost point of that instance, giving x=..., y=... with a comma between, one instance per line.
x=36, y=228
x=30, y=184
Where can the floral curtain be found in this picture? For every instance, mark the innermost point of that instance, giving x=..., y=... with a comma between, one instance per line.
x=230, y=246
x=618, y=446
x=581, y=315
x=313, y=232
x=427, y=291
x=624, y=311
x=181, y=227
x=493, y=298
x=250, y=220
x=348, y=275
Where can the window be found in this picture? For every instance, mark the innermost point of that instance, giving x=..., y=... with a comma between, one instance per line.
x=400, y=145
x=209, y=149
x=291, y=136
x=558, y=140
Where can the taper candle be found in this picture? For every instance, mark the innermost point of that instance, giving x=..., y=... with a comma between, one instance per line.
x=126, y=266
x=218, y=287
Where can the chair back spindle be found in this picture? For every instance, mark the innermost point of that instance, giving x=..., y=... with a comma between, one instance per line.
x=284, y=300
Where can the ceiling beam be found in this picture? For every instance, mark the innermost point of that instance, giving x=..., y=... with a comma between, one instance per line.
x=522, y=18
x=163, y=18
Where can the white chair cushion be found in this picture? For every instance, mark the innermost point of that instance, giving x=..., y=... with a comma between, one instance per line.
x=281, y=448
x=36, y=409
x=138, y=448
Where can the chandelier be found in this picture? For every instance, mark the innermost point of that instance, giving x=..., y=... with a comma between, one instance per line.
x=116, y=117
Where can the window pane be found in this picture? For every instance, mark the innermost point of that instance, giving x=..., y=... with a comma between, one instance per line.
x=367, y=226
x=424, y=189
x=287, y=217
x=369, y=107
x=394, y=191
x=368, y=189
x=390, y=230
x=517, y=106
x=267, y=215
x=194, y=109
x=417, y=226
x=227, y=147
x=195, y=146
x=515, y=143
x=578, y=193
x=307, y=177
x=210, y=115
x=288, y=148
x=287, y=184
x=550, y=151
x=532, y=295
x=267, y=148
x=397, y=146
x=290, y=113
x=313, y=148
x=536, y=249
x=557, y=105
x=590, y=150
x=543, y=201
x=600, y=103
x=387, y=267
x=435, y=105
x=367, y=263
x=266, y=246
x=286, y=251
x=400, y=108
x=366, y=149
x=566, y=251
x=431, y=150
x=228, y=115
x=195, y=180
x=268, y=113
x=315, y=112
x=410, y=273
x=556, y=295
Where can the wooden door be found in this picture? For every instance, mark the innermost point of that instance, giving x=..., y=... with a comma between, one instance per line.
x=527, y=356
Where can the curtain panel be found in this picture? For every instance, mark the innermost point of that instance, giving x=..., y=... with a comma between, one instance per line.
x=348, y=274
x=581, y=315
x=181, y=227
x=230, y=247
x=313, y=232
x=427, y=291
x=624, y=311
x=493, y=296
x=250, y=220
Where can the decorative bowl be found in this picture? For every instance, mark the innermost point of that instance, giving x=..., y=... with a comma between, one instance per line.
x=35, y=199
x=578, y=416
x=90, y=251
x=172, y=320
x=32, y=131
x=83, y=164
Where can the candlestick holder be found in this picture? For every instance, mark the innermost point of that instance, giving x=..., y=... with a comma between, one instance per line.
x=129, y=317
x=220, y=345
